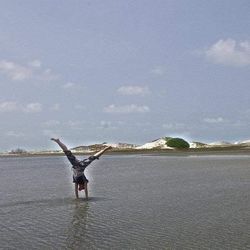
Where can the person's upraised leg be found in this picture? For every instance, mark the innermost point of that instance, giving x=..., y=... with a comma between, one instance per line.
x=61, y=145
x=99, y=153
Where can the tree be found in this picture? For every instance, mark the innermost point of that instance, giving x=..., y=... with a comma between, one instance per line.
x=177, y=143
x=18, y=151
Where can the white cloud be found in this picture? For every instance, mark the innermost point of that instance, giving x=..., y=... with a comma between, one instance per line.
x=214, y=120
x=14, y=134
x=158, y=70
x=107, y=125
x=46, y=75
x=8, y=106
x=35, y=64
x=75, y=125
x=32, y=70
x=80, y=107
x=173, y=126
x=51, y=133
x=73, y=87
x=13, y=106
x=127, y=109
x=69, y=85
x=133, y=90
x=33, y=108
x=55, y=107
x=14, y=71
x=229, y=52
x=51, y=123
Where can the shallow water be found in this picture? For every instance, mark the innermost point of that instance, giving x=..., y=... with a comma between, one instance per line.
x=136, y=202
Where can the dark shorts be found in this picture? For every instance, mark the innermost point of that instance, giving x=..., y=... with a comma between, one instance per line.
x=75, y=162
x=82, y=164
x=80, y=180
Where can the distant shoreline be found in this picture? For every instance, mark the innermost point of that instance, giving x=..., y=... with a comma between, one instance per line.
x=164, y=152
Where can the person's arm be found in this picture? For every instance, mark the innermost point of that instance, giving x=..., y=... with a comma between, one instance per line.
x=98, y=154
x=86, y=190
x=61, y=145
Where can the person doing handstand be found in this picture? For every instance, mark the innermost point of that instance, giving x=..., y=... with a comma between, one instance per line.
x=78, y=167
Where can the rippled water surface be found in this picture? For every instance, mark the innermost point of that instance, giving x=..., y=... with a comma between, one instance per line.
x=136, y=202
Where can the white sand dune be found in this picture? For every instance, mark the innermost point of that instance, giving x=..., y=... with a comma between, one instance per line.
x=159, y=143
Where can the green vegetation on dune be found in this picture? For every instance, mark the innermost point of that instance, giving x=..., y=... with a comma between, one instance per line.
x=177, y=143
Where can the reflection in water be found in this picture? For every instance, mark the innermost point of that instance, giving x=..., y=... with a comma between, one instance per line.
x=84, y=223
x=78, y=227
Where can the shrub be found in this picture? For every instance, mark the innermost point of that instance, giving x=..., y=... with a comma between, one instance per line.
x=177, y=143
x=18, y=151
x=167, y=138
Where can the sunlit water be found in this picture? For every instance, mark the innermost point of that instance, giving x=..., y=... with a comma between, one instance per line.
x=136, y=202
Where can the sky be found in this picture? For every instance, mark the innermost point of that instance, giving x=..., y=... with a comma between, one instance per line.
x=133, y=71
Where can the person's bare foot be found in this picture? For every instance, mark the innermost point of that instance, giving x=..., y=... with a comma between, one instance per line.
x=53, y=139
